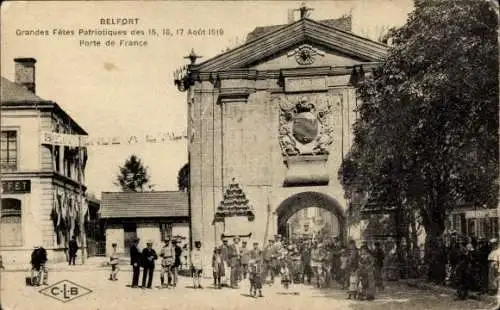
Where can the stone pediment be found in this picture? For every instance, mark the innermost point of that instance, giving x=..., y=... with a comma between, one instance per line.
x=293, y=45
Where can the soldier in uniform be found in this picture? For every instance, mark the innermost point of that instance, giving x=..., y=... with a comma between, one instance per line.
x=167, y=262
x=224, y=253
x=245, y=258
x=177, y=260
x=218, y=268
x=234, y=260
x=269, y=260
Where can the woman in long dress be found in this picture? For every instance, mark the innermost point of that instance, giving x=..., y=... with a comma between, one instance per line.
x=366, y=272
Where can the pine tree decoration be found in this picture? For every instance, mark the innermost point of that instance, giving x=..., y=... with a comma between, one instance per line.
x=235, y=203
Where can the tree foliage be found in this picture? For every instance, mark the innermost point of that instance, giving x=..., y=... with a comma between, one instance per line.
x=183, y=178
x=133, y=175
x=427, y=134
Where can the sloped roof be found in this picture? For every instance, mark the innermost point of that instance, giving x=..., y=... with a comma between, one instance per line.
x=144, y=204
x=283, y=38
x=343, y=23
x=12, y=92
x=13, y=96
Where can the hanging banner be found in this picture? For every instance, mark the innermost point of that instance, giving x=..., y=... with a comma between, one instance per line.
x=54, y=138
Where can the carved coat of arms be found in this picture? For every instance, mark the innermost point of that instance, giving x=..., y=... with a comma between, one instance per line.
x=306, y=127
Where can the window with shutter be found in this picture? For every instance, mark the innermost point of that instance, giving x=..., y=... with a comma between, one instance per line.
x=10, y=222
x=8, y=150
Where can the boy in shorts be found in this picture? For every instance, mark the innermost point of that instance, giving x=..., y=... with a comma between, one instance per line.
x=197, y=265
x=113, y=262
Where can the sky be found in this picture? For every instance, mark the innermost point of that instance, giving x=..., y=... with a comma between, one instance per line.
x=125, y=91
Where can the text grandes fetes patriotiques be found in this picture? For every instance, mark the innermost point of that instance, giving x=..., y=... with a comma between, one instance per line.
x=80, y=32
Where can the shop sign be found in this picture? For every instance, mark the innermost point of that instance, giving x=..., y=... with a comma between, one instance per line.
x=16, y=187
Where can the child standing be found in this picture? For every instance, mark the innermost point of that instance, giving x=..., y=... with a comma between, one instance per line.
x=256, y=273
x=321, y=277
x=256, y=264
x=286, y=278
x=361, y=289
x=197, y=265
x=113, y=261
x=218, y=268
x=343, y=276
x=353, y=285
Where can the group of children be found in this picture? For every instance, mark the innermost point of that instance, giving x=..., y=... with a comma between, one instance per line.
x=255, y=270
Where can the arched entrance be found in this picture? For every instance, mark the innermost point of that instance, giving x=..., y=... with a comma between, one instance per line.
x=304, y=200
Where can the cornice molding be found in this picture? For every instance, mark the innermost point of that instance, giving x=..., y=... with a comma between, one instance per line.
x=254, y=75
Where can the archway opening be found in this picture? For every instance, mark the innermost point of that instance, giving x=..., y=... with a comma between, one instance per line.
x=310, y=214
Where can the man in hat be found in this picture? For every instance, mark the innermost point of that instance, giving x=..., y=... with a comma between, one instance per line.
x=224, y=254
x=484, y=249
x=135, y=261
x=245, y=258
x=269, y=259
x=72, y=250
x=234, y=258
x=277, y=249
x=167, y=263
x=177, y=260
x=148, y=257
x=493, y=263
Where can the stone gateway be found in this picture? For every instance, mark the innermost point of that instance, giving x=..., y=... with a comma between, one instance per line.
x=269, y=123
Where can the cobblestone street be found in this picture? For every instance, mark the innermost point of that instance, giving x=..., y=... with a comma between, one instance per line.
x=116, y=295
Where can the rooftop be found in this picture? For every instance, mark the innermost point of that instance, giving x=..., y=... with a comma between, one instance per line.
x=343, y=23
x=144, y=204
x=14, y=96
x=12, y=92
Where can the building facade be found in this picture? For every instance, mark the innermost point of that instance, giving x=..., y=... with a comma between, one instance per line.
x=478, y=222
x=276, y=115
x=149, y=216
x=42, y=185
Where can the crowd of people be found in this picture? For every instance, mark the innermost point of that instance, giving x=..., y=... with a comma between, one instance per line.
x=470, y=264
x=170, y=261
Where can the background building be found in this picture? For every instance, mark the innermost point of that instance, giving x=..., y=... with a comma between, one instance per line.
x=151, y=216
x=43, y=191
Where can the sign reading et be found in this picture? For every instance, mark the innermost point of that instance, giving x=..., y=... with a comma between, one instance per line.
x=16, y=187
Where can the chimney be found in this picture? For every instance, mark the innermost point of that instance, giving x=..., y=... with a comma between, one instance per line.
x=25, y=73
x=291, y=16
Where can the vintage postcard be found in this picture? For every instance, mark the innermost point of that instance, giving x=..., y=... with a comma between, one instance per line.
x=249, y=155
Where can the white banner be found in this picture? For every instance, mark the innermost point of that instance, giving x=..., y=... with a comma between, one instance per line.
x=54, y=138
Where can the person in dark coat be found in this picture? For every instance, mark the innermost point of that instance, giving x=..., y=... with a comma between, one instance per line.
x=483, y=252
x=378, y=256
x=177, y=261
x=135, y=261
x=306, y=264
x=148, y=258
x=39, y=272
x=72, y=250
x=462, y=273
